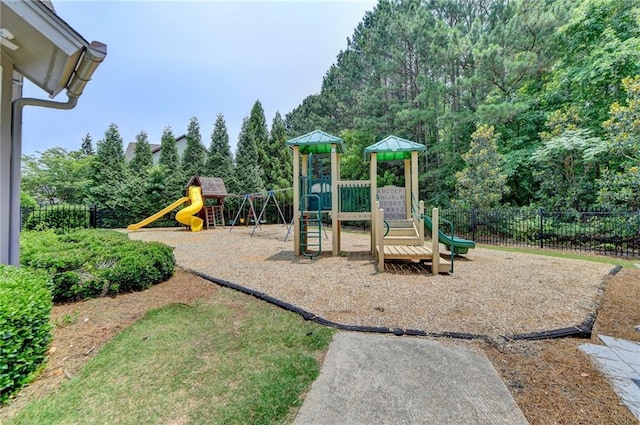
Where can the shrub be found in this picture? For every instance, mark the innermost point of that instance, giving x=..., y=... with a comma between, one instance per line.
x=25, y=307
x=93, y=263
x=140, y=265
x=27, y=201
x=57, y=217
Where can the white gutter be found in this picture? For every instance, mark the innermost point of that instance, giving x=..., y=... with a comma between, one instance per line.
x=91, y=58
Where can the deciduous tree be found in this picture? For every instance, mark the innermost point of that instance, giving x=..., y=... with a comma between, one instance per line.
x=57, y=176
x=482, y=183
x=619, y=185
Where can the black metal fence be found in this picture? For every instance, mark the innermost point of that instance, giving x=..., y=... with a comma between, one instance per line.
x=66, y=218
x=600, y=232
x=62, y=218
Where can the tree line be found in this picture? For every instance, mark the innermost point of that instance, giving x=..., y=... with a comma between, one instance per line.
x=101, y=176
x=518, y=102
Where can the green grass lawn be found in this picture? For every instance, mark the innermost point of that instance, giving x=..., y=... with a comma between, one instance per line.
x=230, y=359
x=566, y=254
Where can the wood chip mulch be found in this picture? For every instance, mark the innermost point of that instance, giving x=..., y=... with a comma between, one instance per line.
x=491, y=293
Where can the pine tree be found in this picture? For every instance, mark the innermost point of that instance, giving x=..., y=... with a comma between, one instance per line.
x=170, y=160
x=193, y=158
x=257, y=131
x=108, y=169
x=482, y=183
x=278, y=175
x=248, y=173
x=169, y=151
x=219, y=162
x=87, y=147
x=142, y=155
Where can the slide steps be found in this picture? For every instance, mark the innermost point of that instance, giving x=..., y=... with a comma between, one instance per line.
x=402, y=232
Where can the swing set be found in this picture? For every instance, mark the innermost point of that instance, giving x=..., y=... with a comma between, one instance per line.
x=251, y=213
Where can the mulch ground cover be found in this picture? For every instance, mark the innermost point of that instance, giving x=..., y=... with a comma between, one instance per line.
x=552, y=381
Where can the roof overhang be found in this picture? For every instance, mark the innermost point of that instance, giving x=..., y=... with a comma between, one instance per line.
x=393, y=148
x=317, y=142
x=44, y=48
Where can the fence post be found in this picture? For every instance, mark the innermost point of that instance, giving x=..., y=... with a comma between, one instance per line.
x=93, y=216
x=473, y=224
x=541, y=233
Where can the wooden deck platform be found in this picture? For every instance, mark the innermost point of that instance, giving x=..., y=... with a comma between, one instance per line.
x=414, y=253
x=407, y=252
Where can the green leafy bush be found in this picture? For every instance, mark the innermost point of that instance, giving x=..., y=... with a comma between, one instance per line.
x=93, y=263
x=25, y=306
x=57, y=217
x=27, y=201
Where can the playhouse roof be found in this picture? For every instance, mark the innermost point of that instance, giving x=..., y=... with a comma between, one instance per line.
x=393, y=148
x=212, y=187
x=316, y=142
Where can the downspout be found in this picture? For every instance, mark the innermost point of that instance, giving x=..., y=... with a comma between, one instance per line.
x=93, y=55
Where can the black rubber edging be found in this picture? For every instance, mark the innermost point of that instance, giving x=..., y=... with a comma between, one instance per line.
x=583, y=330
x=614, y=271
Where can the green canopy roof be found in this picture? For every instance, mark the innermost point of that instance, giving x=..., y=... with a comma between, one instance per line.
x=316, y=142
x=393, y=148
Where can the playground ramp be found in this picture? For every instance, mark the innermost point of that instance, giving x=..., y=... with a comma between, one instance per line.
x=457, y=245
x=184, y=216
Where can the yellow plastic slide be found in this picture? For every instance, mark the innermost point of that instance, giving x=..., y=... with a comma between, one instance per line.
x=186, y=215
x=183, y=216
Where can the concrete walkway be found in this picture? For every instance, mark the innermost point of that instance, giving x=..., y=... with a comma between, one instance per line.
x=382, y=379
x=619, y=359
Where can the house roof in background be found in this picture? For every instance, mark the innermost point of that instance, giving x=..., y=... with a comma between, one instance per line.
x=131, y=149
x=155, y=147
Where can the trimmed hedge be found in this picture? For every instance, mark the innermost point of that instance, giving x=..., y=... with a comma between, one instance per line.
x=93, y=263
x=25, y=332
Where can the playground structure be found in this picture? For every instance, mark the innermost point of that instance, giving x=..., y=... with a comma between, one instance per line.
x=349, y=200
x=206, y=205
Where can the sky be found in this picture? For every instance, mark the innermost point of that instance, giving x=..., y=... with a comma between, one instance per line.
x=168, y=61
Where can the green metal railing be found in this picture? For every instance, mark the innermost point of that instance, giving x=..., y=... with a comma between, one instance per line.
x=354, y=196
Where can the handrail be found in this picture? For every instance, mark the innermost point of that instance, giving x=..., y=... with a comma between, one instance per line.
x=417, y=215
x=414, y=207
x=304, y=241
x=452, y=235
